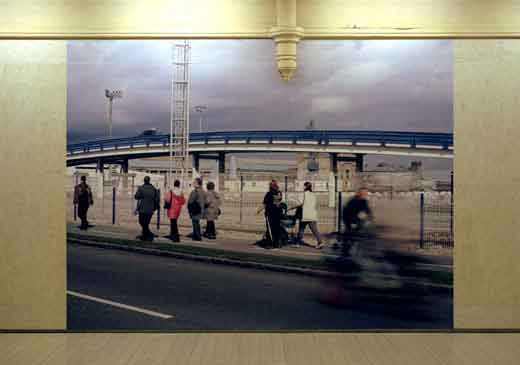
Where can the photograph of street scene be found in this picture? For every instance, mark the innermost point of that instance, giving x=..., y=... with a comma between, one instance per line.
x=204, y=192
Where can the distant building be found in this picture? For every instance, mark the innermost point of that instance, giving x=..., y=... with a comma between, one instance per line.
x=254, y=173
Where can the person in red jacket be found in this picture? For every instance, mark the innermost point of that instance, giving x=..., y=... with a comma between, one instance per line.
x=174, y=200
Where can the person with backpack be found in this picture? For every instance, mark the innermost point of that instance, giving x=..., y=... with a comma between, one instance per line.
x=173, y=202
x=309, y=214
x=211, y=211
x=148, y=202
x=196, y=203
x=83, y=199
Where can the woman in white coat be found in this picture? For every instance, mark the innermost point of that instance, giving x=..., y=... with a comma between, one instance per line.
x=309, y=214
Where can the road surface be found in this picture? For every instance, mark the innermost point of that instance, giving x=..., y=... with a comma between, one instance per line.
x=118, y=290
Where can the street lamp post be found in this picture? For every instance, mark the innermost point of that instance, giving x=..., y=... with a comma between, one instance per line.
x=200, y=109
x=111, y=95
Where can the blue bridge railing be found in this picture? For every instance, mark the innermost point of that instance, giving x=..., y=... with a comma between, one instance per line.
x=439, y=140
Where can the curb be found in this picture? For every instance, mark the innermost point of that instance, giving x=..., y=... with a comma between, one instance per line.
x=217, y=260
x=243, y=263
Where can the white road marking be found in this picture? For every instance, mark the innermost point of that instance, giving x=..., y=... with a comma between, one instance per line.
x=120, y=305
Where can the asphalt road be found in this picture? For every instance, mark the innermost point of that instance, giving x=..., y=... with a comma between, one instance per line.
x=201, y=296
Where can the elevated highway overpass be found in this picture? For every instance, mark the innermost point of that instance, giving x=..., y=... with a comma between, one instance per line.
x=217, y=144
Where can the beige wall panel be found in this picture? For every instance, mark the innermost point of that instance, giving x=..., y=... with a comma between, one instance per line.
x=32, y=213
x=147, y=18
x=353, y=18
x=254, y=18
x=487, y=179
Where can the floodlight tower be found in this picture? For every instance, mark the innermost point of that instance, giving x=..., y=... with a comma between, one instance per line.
x=312, y=164
x=111, y=95
x=200, y=109
x=179, y=110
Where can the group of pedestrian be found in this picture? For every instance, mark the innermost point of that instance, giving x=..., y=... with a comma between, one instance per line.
x=205, y=205
x=356, y=213
x=202, y=205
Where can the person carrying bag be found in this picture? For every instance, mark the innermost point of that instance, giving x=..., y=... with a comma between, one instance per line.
x=173, y=202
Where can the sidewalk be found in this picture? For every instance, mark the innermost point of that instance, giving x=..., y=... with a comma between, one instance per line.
x=227, y=240
x=239, y=248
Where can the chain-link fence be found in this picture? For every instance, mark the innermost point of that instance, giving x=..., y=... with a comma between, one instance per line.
x=436, y=222
x=422, y=217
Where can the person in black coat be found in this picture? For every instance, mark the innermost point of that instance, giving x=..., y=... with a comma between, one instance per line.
x=273, y=213
x=83, y=199
x=148, y=202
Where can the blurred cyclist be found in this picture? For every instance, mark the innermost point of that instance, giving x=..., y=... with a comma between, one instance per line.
x=356, y=214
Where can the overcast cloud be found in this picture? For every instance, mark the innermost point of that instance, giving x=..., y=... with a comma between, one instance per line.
x=402, y=85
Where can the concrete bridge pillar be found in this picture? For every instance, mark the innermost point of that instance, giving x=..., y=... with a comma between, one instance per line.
x=221, y=162
x=124, y=167
x=359, y=162
x=334, y=163
x=100, y=183
x=100, y=166
x=333, y=188
x=196, y=161
x=100, y=178
x=345, y=168
x=221, y=171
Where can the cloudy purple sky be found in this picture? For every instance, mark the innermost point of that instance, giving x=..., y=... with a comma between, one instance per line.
x=403, y=85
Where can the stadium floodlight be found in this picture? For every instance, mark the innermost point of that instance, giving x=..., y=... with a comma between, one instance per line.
x=111, y=95
x=200, y=109
x=312, y=163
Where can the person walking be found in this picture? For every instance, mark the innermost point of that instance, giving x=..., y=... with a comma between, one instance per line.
x=196, y=204
x=173, y=202
x=309, y=206
x=148, y=202
x=273, y=213
x=83, y=199
x=211, y=211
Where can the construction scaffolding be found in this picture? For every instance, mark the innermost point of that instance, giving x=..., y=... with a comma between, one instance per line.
x=179, y=111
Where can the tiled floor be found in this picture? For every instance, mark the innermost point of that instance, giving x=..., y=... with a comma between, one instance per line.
x=259, y=348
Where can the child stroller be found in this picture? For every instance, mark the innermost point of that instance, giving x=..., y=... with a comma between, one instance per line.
x=287, y=227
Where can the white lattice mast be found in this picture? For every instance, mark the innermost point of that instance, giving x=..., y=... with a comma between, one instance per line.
x=179, y=111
